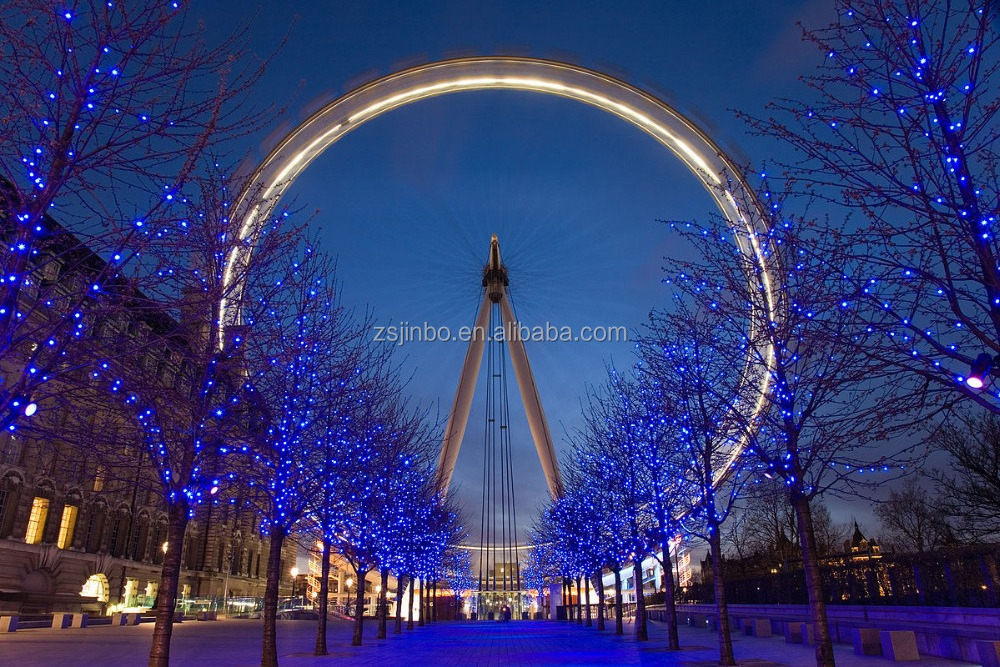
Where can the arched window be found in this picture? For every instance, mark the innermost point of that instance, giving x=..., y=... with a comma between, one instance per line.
x=159, y=539
x=95, y=526
x=96, y=587
x=236, y=554
x=67, y=522
x=12, y=447
x=139, y=537
x=39, y=517
x=192, y=551
x=10, y=495
x=118, y=539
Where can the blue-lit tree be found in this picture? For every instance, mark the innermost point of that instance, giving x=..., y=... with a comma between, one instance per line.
x=386, y=496
x=301, y=345
x=441, y=537
x=897, y=128
x=701, y=367
x=823, y=423
x=364, y=372
x=589, y=526
x=459, y=574
x=661, y=454
x=411, y=507
x=108, y=110
x=180, y=387
x=549, y=538
x=616, y=430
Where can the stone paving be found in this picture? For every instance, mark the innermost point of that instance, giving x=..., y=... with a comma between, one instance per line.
x=236, y=643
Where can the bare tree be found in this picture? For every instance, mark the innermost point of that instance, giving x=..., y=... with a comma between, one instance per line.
x=698, y=364
x=107, y=113
x=617, y=429
x=970, y=490
x=829, y=409
x=899, y=125
x=180, y=388
x=300, y=348
x=764, y=531
x=910, y=520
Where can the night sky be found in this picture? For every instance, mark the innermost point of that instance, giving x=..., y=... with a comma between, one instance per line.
x=408, y=202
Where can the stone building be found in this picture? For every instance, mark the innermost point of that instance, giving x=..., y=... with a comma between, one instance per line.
x=82, y=524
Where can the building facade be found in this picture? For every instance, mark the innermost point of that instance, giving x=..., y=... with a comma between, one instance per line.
x=82, y=519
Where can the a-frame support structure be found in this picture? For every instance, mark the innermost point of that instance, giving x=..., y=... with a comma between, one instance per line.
x=495, y=281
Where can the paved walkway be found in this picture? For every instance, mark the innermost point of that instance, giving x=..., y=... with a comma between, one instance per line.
x=459, y=644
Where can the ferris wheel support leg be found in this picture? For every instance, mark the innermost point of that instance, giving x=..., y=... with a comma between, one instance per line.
x=458, y=418
x=532, y=400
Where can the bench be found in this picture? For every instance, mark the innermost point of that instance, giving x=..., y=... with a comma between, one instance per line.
x=206, y=616
x=899, y=645
x=795, y=632
x=125, y=619
x=8, y=623
x=867, y=641
x=989, y=653
x=757, y=627
x=62, y=621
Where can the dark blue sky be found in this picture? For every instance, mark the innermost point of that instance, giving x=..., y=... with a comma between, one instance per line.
x=408, y=202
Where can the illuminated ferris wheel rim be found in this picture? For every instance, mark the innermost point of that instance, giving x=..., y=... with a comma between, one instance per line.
x=717, y=172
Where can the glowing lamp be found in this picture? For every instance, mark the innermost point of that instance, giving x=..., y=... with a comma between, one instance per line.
x=30, y=409
x=979, y=371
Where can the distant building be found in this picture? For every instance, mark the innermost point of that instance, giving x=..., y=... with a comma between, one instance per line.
x=861, y=548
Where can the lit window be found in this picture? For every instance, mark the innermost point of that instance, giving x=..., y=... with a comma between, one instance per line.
x=99, y=478
x=66, y=526
x=36, y=522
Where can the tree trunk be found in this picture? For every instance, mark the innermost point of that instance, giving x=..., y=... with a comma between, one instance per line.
x=383, y=605
x=269, y=650
x=814, y=580
x=600, y=599
x=401, y=583
x=423, y=601
x=619, y=628
x=409, y=608
x=324, y=601
x=359, y=607
x=590, y=621
x=434, y=602
x=722, y=609
x=177, y=520
x=673, y=640
x=579, y=602
x=567, y=600
x=641, y=632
